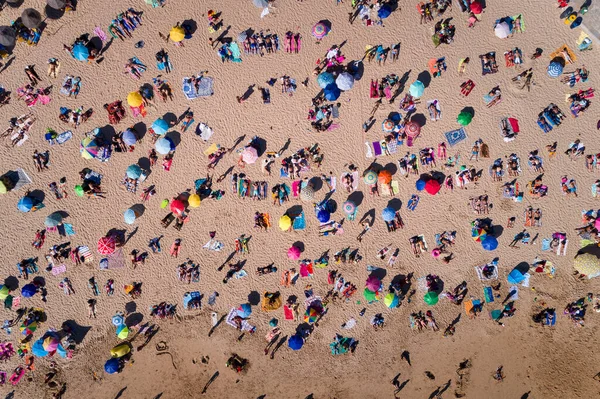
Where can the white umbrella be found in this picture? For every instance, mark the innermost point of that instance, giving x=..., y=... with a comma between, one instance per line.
x=260, y=3
x=344, y=81
x=502, y=30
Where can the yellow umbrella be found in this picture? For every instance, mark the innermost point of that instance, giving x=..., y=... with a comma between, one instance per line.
x=194, y=201
x=2, y=187
x=587, y=264
x=134, y=99
x=285, y=223
x=177, y=34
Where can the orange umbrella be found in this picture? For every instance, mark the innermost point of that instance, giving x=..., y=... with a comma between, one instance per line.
x=385, y=177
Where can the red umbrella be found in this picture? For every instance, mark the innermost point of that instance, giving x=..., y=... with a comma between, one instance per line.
x=476, y=7
x=107, y=245
x=412, y=129
x=432, y=186
x=177, y=206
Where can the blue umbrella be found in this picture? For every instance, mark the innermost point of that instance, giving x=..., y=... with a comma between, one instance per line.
x=295, y=342
x=515, y=276
x=164, y=145
x=28, y=290
x=332, y=92
x=80, y=52
x=245, y=310
x=38, y=348
x=129, y=137
x=555, y=69
x=416, y=89
x=323, y=216
x=112, y=366
x=160, y=126
x=129, y=216
x=388, y=214
x=25, y=204
x=118, y=320
x=325, y=79
x=489, y=243
x=420, y=184
x=53, y=219
x=134, y=171
x=384, y=11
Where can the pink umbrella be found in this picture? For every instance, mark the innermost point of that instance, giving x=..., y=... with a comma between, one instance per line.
x=249, y=155
x=373, y=283
x=294, y=253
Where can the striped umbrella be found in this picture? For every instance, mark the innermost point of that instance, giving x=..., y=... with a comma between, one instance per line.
x=412, y=129
x=388, y=125
x=107, y=245
x=307, y=193
x=370, y=177
x=555, y=69
x=320, y=30
x=478, y=234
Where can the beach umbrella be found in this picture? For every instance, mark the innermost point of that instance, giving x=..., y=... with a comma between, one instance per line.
x=51, y=343
x=388, y=214
x=320, y=30
x=307, y=193
x=412, y=129
x=311, y=315
x=476, y=7
x=349, y=207
x=432, y=186
x=502, y=30
x=3, y=188
x=107, y=245
x=385, y=177
x=129, y=216
x=323, y=216
x=431, y=298
x=120, y=350
x=53, y=219
x=249, y=155
x=160, y=126
x=373, y=283
x=164, y=145
x=177, y=34
x=555, y=69
x=134, y=99
x=331, y=92
x=515, y=276
x=285, y=223
x=464, y=118
x=489, y=243
x=8, y=36
x=391, y=300
x=244, y=310
x=31, y=18
x=89, y=149
x=416, y=89
x=122, y=331
x=4, y=291
x=38, y=348
x=79, y=190
x=194, y=201
x=344, y=81
x=130, y=137
x=370, y=177
x=80, y=52
x=28, y=327
x=177, y=206
x=384, y=11
x=295, y=342
x=242, y=36
x=25, y=204
x=325, y=79
x=112, y=366
x=388, y=125
x=587, y=264
x=293, y=253
x=134, y=171
x=56, y=4
x=118, y=320
x=478, y=234
x=420, y=184
x=370, y=296
x=260, y=3
x=28, y=290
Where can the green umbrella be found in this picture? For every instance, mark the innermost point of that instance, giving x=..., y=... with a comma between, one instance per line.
x=464, y=118
x=53, y=219
x=79, y=190
x=370, y=296
x=431, y=298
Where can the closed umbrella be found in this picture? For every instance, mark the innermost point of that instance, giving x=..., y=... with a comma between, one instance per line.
x=420, y=184
x=31, y=18
x=432, y=186
x=160, y=126
x=391, y=300
x=464, y=118
x=249, y=155
x=320, y=30
x=129, y=216
x=107, y=245
x=177, y=206
x=373, y=283
x=431, y=298
x=56, y=4
x=344, y=81
x=325, y=79
x=164, y=145
x=412, y=129
x=323, y=216
x=89, y=148
x=587, y=264
x=416, y=89
x=28, y=290
x=194, y=201
x=285, y=223
x=349, y=207
x=502, y=30
x=388, y=214
x=134, y=99
x=260, y=3
x=555, y=69
x=130, y=137
x=293, y=253
x=295, y=342
x=8, y=36
x=385, y=177
x=53, y=219
x=370, y=177
x=490, y=243
x=177, y=33
x=134, y=171
x=331, y=92
x=25, y=204
x=80, y=52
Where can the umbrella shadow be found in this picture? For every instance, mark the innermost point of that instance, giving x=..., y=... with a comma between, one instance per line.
x=260, y=144
x=425, y=78
x=107, y=132
x=395, y=204
x=12, y=4
x=370, y=214
x=37, y=195
x=316, y=183
x=170, y=118
x=391, y=167
x=357, y=197
x=357, y=69
x=190, y=26
x=294, y=211
x=379, y=273
x=175, y=137
x=496, y=231
x=254, y=298
x=52, y=13
x=140, y=130
x=299, y=245
x=12, y=283
x=77, y=331
x=420, y=119
x=134, y=319
x=139, y=209
x=107, y=45
x=469, y=110
x=130, y=307
x=522, y=267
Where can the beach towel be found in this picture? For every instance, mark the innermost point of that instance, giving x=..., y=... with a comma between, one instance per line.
x=100, y=33
x=23, y=139
x=245, y=325
x=436, y=104
x=16, y=302
x=84, y=252
x=495, y=314
x=456, y=136
x=69, y=231
x=64, y=137
x=479, y=271
x=299, y=222
x=235, y=52
x=518, y=23
x=564, y=52
x=205, y=88
x=376, y=148
x=56, y=270
x=288, y=313
x=214, y=245
x=369, y=153
x=212, y=149
x=513, y=291
x=163, y=65
x=116, y=260
x=190, y=296
x=488, y=294
x=487, y=99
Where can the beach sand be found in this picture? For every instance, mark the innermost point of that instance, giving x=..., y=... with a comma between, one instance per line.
x=546, y=362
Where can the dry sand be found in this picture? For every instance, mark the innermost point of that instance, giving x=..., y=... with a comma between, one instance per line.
x=549, y=363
